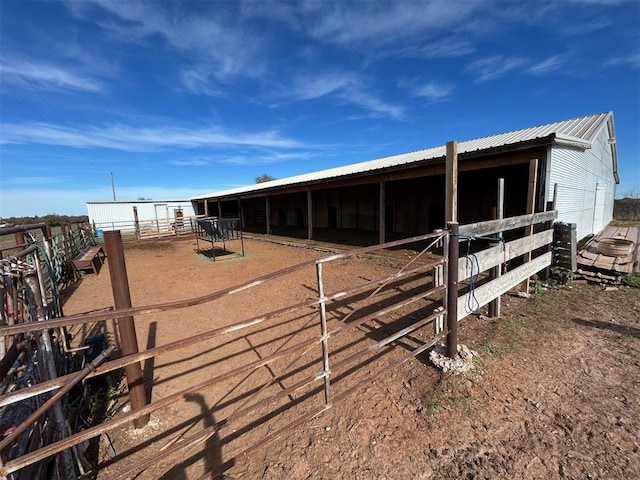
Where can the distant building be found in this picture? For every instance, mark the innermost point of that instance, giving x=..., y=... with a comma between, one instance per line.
x=154, y=216
x=404, y=194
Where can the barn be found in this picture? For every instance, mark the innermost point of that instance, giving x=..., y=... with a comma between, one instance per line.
x=573, y=161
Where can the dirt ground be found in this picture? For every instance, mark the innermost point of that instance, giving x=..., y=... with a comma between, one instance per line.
x=554, y=392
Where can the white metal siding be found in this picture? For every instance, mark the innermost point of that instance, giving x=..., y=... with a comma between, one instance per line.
x=578, y=174
x=119, y=215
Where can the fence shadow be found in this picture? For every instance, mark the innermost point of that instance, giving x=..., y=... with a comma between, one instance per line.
x=614, y=327
x=210, y=450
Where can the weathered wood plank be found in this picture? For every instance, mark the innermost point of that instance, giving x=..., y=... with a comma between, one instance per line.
x=494, y=256
x=493, y=226
x=487, y=292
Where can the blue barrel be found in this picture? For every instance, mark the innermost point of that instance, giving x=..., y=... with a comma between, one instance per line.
x=99, y=233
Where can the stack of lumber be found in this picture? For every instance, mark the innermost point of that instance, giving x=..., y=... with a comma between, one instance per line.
x=610, y=255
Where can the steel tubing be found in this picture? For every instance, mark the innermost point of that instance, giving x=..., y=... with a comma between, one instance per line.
x=452, y=291
x=126, y=325
x=74, y=439
x=71, y=382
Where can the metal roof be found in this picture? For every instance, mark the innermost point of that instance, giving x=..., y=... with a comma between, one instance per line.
x=578, y=131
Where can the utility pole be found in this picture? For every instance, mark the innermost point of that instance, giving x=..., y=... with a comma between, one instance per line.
x=113, y=188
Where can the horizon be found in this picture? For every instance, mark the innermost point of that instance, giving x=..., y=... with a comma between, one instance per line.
x=179, y=99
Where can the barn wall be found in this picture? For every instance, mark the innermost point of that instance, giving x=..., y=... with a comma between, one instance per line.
x=586, y=185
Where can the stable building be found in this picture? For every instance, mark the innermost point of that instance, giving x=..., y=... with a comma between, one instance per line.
x=571, y=161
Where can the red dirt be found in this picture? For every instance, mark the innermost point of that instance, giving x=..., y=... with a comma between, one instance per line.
x=554, y=393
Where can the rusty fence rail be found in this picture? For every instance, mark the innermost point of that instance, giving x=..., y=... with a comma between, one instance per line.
x=439, y=295
x=372, y=286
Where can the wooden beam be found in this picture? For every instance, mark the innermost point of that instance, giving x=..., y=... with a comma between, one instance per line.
x=531, y=206
x=383, y=213
x=309, y=215
x=499, y=216
x=487, y=292
x=510, y=223
x=495, y=256
x=219, y=209
x=451, y=183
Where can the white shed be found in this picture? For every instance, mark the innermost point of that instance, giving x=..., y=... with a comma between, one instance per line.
x=154, y=216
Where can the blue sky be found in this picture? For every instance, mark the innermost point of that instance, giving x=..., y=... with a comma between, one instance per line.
x=178, y=99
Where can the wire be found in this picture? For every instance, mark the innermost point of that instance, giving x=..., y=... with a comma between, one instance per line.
x=472, y=302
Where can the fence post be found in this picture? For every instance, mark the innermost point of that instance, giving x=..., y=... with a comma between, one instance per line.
x=126, y=326
x=323, y=328
x=452, y=290
x=136, y=222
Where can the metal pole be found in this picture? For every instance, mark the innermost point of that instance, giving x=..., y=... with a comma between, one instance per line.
x=113, y=187
x=73, y=381
x=136, y=222
x=126, y=326
x=48, y=358
x=325, y=334
x=452, y=290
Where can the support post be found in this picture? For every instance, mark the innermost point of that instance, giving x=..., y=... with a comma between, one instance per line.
x=65, y=243
x=19, y=239
x=268, y=214
x=309, y=215
x=126, y=326
x=452, y=290
x=206, y=208
x=494, y=306
x=383, y=212
x=220, y=209
x=136, y=222
x=324, y=333
x=451, y=188
x=531, y=207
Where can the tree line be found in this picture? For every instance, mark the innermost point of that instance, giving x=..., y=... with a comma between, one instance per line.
x=51, y=219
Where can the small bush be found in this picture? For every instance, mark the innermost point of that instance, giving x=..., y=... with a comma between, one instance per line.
x=632, y=280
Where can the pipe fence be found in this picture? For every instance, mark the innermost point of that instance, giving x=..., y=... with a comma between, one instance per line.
x=319, y=346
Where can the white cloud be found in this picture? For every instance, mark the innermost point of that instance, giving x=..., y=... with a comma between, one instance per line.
x=493, y=67
x=30, y=74
x=443, y=48
x=128, y=138
x=433, y=91
x=198, y=79
x=309, y=87
x=632, y=61
x=549, y=65
x=215, y=38
x=376, y=107
x=384, y=22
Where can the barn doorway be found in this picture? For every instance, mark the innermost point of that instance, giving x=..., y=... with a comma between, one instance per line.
x=332, y=217
x=389, y=218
